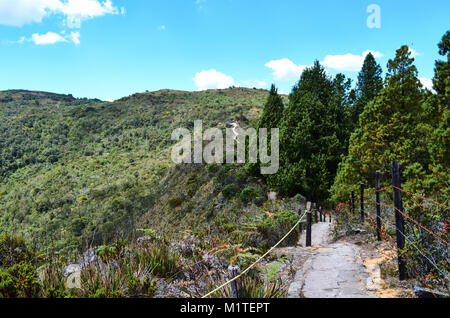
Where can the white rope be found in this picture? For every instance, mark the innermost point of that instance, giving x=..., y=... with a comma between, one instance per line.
x=262, y=257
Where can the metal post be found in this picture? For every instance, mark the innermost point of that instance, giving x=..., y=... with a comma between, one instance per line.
x=378, y=187
x=362, y=204
x=399, y=222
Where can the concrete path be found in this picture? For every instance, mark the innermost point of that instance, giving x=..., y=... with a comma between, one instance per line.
x=331, y=270
x=320, y=234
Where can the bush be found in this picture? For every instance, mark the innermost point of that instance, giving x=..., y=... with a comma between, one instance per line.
x=253, y=287
x=7, y=285
x=20, y=280
x=277, y=226
x=248, y=194
x=160, y=259
x=230, y=190
x=13, y=250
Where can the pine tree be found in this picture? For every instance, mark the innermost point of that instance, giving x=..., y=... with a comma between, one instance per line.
x=270, y=118
x=311, y=135
x=273, y=110
x=388, y=128
x=369, y=84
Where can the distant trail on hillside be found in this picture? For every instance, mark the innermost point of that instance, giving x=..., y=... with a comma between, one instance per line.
x=332, y=270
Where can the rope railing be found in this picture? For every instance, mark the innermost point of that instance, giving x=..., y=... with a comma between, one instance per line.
x=258, y=260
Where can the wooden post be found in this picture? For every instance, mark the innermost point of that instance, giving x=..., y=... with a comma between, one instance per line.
x=399, y=221
x=316, y=219
x=378, y=187
x=235, y=286
x=353, y=203
x=308, y=224
x=362, y=204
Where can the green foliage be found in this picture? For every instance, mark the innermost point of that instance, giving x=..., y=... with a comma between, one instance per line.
x=77, y=173
x=270, y=118
x=13, y=250
x=313, y=134
x=162, y=261
x=272, y=274
x=253, y=287
x=248, y=194
x=277, y=226
x=8, y=288
x=230, y=190
x=369, y=84
x=20, y=280
x=403, y=123
x=411, y=125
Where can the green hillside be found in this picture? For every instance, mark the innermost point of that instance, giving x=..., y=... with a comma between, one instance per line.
x=79, y=172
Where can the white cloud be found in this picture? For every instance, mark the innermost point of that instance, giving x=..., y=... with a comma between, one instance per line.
x=79, y=10
x=212, y=80
x=426, y=82
x=348, y=62
x=162, y=28
x=74, y=37
x=285, y=69
x=48, y=38
x=21, y=12
x=52, y=38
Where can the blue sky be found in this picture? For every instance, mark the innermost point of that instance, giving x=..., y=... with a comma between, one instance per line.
x=113, y=48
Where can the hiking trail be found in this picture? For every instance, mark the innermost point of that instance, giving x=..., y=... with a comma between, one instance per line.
x=333, y=270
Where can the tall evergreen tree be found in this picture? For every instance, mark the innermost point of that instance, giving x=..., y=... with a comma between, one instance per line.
x=270, y=118
x=310, y=135
x=273, y=110
x=388, y=128
x=369, y=84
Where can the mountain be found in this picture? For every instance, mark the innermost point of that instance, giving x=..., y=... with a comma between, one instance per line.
x=76, y=173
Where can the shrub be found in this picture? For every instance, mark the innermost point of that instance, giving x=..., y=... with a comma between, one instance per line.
x=275, y=227
x=253, y=288
x=8, y=287
x=20, y=280
x=13, y=250
x=248, y=194
x=230, y=190
x=159, y=259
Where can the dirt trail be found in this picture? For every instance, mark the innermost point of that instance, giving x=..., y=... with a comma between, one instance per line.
x=333, y=270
